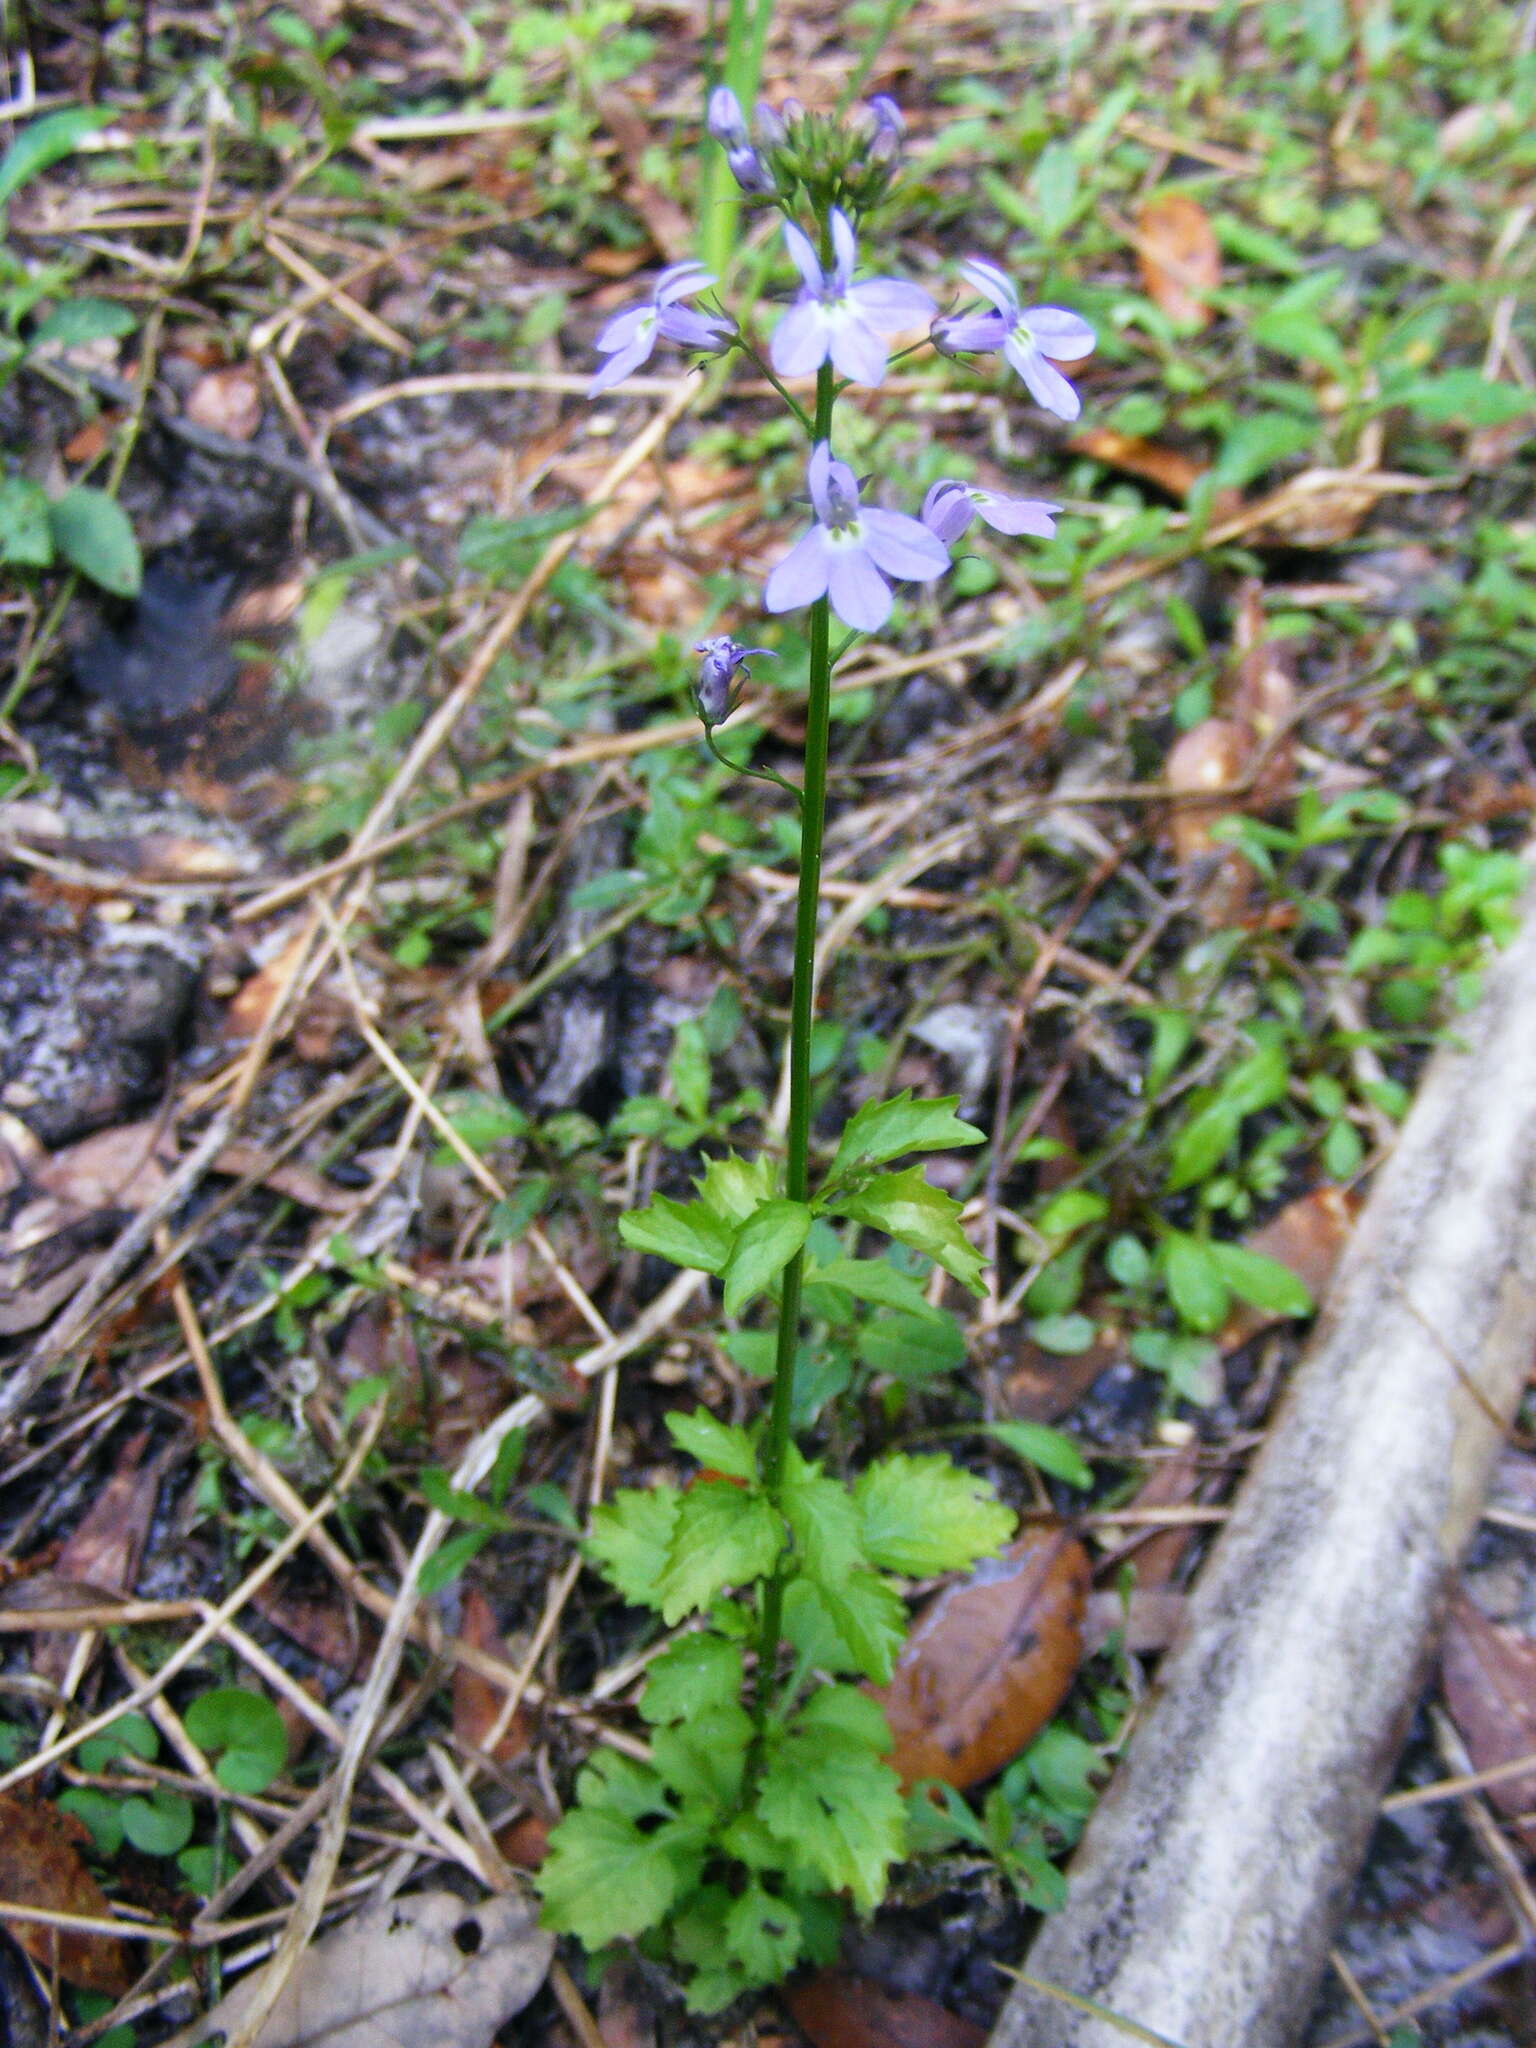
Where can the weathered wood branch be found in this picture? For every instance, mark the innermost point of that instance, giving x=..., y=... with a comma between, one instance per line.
x=1206, y=1891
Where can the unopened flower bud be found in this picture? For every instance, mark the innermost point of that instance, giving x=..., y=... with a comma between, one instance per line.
x=714, y=693
x=724, y=118
x=771, y=132
x=749, y=171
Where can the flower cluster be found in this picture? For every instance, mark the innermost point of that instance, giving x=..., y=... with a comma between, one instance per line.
x=831, y=173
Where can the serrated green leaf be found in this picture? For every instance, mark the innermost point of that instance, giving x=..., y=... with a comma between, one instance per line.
x=763, y=1247
x=630, y=1539
x=244, y=1733
x=865, y=1616
x=94, y=535
x=926, y=1515
x=878, y=1131
x=1195, y=1283
x=878, y=1281
x=691, y=1676
x=764, y=1935
x=26, y=538
x=853, y=1629
x=704, y=1759
x=47, y=142
x=908, y=1208
x=719, y=1446
x=723, y=1536
x=837, y=1809
x=1047, y=1448
x=1263, y=1283
x=604, y=1878
x=734, y=1187
x=848, y=1711
x=687, y=1233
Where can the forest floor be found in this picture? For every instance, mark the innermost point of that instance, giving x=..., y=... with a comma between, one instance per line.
x=374, y=926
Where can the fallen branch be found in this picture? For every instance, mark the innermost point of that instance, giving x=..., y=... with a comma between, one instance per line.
x=1205, y=1893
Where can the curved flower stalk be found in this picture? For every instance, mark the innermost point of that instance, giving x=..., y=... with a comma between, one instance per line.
x=1027, y=336
x=834, y=318
x=850, y=551
x=632, y=334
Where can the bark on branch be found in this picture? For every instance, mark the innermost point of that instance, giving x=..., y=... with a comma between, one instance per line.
x=1205, y=1893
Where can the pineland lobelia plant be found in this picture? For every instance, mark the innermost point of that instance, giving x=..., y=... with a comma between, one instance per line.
x=766, y=1800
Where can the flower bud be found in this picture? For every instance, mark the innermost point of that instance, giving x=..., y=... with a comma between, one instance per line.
x=725, y=120
x=771, y=132
x=750, y=172
x=714, y=693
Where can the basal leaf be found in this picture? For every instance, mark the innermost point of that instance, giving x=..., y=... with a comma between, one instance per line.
x=853, y=1629
x=837, y=1808
x=723, y=1536
x=763, y=1247
x=687, y=1233
x=878, y=1131
x=693, y=1675
x=631, y=1539
x=94, y=535
x=764, y=1935
x=917, y=1214
x=926, y=1515
x=704, y=1758
x=719, y=1446
x=245, y=1734
x=604, y=1878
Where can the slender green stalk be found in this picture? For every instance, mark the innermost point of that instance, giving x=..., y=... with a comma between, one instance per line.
x=797, y=1175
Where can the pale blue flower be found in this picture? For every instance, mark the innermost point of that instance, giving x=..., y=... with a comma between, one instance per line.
x=834, y=317
x=750, y=172
x=950, y=506
x=630, y=336
x=714, y=694
x=850, y=551
x=1027, y=336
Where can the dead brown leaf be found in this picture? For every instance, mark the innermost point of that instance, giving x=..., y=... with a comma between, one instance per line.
x=1489, y=1676
x=477, y=1703
x=106, y=1548
x=430, y=1968
x=227, y=402
x=988, y=1662
x=1212, y=756
x=1179, y=257
x=41, y=1866
x=125, y=1168
x=837, y=2010
x=1168, y=468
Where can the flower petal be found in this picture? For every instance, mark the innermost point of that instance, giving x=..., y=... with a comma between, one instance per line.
x=802, y=575
x=803, y=256
x=860, y=595
x=624, y=329
x=1017, y=515
x=680, y=281
x=621, y=363
x=1047, y=386
x=818, y=480
x=695, y=330
x=888, y=304
x=845, y=250
x=991, y=282
x=858, y=353
x=947, y=510
x=962, y=333
x=801, y=339
x=902, y=547
x=1065, y=337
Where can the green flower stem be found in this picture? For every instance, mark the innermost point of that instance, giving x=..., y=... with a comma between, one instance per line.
x=797, y=1176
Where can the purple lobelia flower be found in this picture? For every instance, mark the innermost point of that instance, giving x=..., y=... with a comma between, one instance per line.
x=629, y=336
x=835, y=317
x=750, y=172
x=890, y=128
x=950, y=506
x=1026, y=335
x=714, y=694
x=850, y=551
